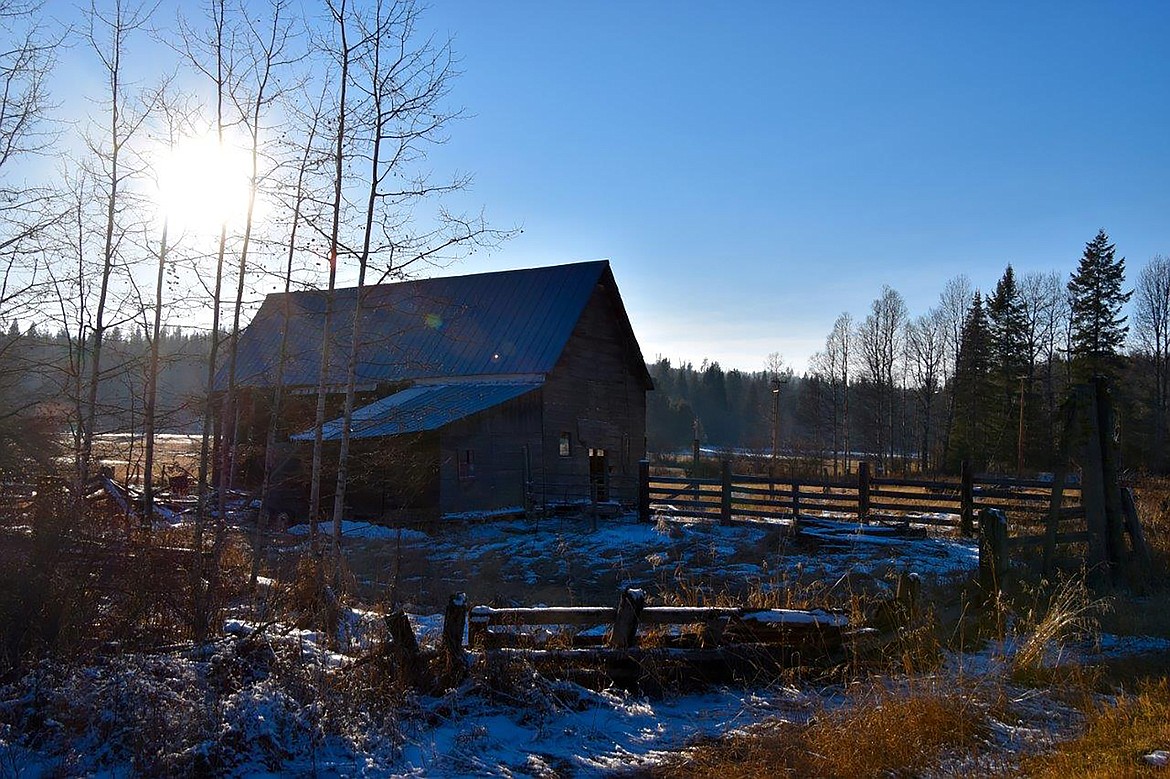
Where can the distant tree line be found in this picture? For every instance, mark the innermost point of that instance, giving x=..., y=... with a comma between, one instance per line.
x=980, y=376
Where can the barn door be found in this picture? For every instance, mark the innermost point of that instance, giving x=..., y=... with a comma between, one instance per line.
x=598, y=475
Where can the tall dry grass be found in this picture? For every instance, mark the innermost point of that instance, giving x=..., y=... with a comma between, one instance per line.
x=880, y=732
x=1115, y=740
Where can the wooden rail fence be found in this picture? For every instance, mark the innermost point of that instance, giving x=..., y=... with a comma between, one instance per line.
x=865, y=498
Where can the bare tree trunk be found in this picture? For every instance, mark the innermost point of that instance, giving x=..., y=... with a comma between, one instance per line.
x=149, y=410
x=282, y=361
x=339, y=17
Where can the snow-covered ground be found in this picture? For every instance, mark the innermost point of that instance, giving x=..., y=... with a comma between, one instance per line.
x=275, y=700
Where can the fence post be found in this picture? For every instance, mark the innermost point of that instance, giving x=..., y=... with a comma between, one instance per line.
x=993, y=552
x=1052, y=524
x=725, y=502
x=863, y=492
x=967, y=501
x=795, y=503
x=643, y=490
x=454, y=622
x=625, y=621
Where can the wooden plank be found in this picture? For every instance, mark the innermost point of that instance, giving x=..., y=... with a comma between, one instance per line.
x=941, y=486
x=682, y=480
x=919, y=509
x=1075, y=537
x=951, y=521
x=1016, y=495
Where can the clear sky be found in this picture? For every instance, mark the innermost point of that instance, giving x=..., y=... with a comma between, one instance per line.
x=754, y=169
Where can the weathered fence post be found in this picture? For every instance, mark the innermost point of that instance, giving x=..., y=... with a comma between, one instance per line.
x=625, y=621
x=725, y=496
x=403, y=644
x=1133, y=526
x=993, y=552
x=643, y=490
x=1055, y=504
x=863, y=492
x=967, y=500
x=454, y=623
x=795, y=504
x=907, y=596
x=1087, y=434
x=625, y=671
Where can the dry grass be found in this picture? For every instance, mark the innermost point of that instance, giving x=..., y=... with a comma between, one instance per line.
x=1067, y=612
x=1115, y=739
x=880, y=733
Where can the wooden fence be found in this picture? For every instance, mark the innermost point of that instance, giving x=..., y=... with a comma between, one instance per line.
x=618, y=642
x=864, y=498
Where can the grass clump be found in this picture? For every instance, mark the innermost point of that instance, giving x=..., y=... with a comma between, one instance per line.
x=1115, y=740
x=881, y=733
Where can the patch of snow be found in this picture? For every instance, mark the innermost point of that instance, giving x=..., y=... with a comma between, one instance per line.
x=363, y=530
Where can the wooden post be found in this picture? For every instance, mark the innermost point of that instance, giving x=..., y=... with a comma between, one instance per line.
x=1052, y=528
x=967, y=500
x=993, y=554
x=644, y=490
x=725, y=495
x=1114, y=511
x=1088, y=437
x=695, y=460
x=907, y=596
x=1133, y=526
x=403, y=644
x=454, y=623
x=526, y=476
x=863, y=491
x=625, y=621
x=795, y=503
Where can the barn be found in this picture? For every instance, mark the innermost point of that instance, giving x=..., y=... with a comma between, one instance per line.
x=475, y=393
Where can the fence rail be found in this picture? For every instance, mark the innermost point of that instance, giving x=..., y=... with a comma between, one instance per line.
x=939, y=503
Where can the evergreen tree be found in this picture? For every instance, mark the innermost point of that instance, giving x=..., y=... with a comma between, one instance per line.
x=1008, y=328
x=969, y=436
x=1098, y=327
x=1011, y=363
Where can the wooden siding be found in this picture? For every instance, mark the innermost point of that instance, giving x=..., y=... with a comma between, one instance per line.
x=596, y=393
x=496, y=438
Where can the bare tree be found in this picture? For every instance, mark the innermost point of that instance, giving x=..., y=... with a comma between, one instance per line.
x=1152, y=336
x=402, y=81
x=108, y=34
x=834, y=364
x=1046, y=315
x=953, y=304
x=879, y=340
x=925, y=341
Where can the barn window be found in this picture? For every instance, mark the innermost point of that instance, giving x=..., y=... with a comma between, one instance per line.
x=466, y=464
x=566, y=445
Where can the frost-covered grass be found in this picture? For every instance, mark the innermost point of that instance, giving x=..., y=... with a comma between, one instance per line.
x=298, y=680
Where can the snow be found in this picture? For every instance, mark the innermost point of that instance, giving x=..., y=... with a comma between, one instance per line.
x=351, y=529
x=264, y=700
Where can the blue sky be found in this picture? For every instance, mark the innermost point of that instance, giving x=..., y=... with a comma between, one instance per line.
x=754, y=169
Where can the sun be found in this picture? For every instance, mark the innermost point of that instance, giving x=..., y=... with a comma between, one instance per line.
x=203, y=184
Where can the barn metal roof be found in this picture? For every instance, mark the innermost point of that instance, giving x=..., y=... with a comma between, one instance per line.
x=421, y=408
x=505, y=323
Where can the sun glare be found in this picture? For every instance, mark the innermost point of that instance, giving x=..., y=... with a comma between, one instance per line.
x=202, y=185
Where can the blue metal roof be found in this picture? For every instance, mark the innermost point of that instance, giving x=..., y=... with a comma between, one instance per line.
x=422, y=407
x=505, y=323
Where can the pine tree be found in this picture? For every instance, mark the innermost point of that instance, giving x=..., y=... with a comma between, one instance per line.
x=969, y=434
x=1011, y=363
x=1098, y=327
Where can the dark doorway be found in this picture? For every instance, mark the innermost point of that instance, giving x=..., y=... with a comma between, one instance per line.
x=598, y=475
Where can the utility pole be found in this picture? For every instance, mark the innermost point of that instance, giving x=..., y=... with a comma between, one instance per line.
x=1020, y=435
